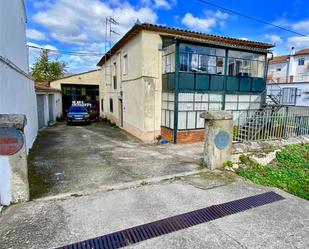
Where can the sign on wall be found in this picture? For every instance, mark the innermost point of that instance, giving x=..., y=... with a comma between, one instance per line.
x=80, y=103
x=11, y=141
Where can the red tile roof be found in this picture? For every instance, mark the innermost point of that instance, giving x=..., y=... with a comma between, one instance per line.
x=185, y=34
x=278, y=59
x=303, y=52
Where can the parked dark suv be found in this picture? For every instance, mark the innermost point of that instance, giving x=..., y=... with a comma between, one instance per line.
x=78, y=114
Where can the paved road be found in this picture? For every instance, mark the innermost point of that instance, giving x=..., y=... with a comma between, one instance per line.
x=48, y=224
x=81, y=158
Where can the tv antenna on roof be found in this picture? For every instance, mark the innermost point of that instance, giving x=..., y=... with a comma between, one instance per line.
x=109, y=31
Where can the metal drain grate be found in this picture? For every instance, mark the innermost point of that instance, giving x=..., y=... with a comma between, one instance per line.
x=172, y=224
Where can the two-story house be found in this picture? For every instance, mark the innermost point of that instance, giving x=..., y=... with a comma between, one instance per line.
x=157, y=80
x=288, y=77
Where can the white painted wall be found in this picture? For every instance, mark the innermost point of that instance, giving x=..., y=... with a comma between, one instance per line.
x=17, y=95
x=5, y=181
x=278, y=71
x=299, y=73
x=12, y=33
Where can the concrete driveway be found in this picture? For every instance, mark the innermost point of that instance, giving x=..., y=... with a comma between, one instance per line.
x=72, y=159
x=54, y=223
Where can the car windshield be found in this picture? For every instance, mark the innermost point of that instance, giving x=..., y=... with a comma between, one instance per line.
x=77, y=109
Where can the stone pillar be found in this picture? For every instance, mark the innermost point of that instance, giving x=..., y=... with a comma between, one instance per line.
x=218, y=138
x=14, y=186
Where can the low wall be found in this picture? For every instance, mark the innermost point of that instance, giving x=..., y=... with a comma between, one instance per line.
x=183, y=137
x=264, y=147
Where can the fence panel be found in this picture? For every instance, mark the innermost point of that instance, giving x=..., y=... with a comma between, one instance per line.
x=268, y=124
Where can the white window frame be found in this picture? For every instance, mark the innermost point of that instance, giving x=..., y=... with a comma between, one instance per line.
x=125, y=64
x=302, y=59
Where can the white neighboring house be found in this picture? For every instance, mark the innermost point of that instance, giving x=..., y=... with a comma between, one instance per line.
x=288, y=77
x=49, y=104
x=17, y=94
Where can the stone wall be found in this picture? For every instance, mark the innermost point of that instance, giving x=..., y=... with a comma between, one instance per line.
x=265, y=147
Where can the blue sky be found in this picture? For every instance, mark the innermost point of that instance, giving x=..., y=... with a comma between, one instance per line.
x=79, y=25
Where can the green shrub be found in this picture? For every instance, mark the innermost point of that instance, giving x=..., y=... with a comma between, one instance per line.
x=289, y=171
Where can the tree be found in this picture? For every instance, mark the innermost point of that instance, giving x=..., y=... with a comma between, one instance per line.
x=46, y=70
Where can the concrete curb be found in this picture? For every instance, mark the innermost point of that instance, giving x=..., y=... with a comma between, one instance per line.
x=122, y=186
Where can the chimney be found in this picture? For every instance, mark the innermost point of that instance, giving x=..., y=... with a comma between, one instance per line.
x=292, y=50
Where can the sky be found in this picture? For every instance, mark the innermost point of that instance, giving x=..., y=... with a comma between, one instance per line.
x=79, y=25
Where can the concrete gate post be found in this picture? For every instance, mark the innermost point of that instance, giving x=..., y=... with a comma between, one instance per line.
x=218, y=138
x=14, y=186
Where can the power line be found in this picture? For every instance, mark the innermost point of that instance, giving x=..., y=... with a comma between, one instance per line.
x=68, y=52
x=252, y=18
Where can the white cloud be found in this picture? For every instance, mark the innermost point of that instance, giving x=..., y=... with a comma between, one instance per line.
x=83, y=21
x=302, y=26
x=274, y=39
x=205, y=23
x=35, y=35
x=299, y=42
x=160, y=4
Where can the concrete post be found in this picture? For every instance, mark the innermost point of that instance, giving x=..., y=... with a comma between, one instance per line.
x=14, y=186
x=218, y=138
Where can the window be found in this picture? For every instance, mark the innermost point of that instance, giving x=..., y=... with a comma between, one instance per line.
x=111, y=107
x=168, y=59
x=301, y=61
x=115, y=75
x=201, y=59
x=125, y=64
x=278, y=69
x=191, y=105
x=245, y=64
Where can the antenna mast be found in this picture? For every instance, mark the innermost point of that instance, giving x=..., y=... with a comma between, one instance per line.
x=109, y=21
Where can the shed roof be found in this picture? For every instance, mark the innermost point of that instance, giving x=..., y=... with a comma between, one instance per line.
x=185, y=34
x=43, y=87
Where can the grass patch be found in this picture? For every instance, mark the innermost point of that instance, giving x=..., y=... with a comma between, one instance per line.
x=289, y=171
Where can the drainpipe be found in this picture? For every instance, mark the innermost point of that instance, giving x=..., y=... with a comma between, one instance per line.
x=264, y=94
x=176, y=93
x=287, y=70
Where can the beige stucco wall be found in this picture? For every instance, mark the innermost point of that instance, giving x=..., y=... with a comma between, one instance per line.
x=141, y=87
x=87, y=78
